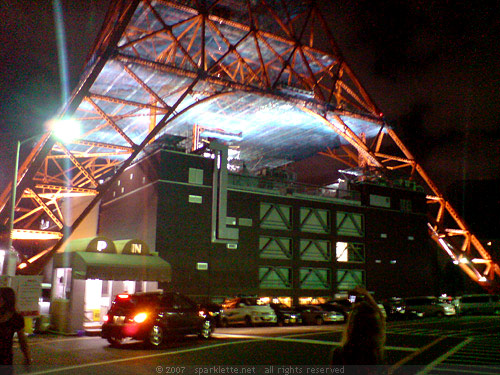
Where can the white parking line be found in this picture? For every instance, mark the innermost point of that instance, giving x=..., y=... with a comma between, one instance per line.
x=128, y=359
x=308, y=341
x=49, y=341
x=206, y=347
x=450, y=352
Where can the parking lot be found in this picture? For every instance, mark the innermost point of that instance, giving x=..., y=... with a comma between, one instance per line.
x=426, y=345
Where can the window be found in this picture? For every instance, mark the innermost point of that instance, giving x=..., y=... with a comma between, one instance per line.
x=350, y=252
x=405, y=205
x=275, y=247
x=380, y=201
x=275, y=216
x=195, y=199
x=275, y=277
x=315, y=278
x=195, y=176
x=476, y=299
x=350, y=224
x=314, y=220
x=316, y=250
x=349, y=279
x=182, y=303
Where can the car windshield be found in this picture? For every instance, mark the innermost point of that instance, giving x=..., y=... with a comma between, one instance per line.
x=421, y=301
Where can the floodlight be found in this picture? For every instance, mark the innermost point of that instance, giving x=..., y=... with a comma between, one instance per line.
x=64, y=129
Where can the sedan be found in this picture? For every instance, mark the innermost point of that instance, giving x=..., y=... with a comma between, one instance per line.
x=315, y=315
x=286, y=315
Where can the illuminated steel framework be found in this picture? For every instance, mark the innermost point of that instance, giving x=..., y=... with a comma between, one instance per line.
x=268, y=71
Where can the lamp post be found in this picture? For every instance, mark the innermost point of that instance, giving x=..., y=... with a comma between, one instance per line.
x=7, y=267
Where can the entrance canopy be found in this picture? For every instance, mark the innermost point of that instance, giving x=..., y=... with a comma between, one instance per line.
x=88, y=265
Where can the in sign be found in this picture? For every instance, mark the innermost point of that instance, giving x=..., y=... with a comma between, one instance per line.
x=136, y=248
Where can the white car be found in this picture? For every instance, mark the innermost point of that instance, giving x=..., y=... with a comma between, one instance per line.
x=247, y=311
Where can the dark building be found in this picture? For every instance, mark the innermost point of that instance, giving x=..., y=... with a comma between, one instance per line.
x=228, y=233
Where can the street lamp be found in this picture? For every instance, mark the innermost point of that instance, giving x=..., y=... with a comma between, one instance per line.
x=63, y=129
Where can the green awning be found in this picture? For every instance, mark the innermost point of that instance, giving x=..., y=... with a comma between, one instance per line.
x=105, y=266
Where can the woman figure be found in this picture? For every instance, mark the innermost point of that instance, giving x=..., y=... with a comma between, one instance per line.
x=10, y=321
x=364, y=337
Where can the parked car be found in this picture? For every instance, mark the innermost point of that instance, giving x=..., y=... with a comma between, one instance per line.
x=395, y=308
x=215, y=312
x=316, y=315
x=427, y=306
x=153, y=318
x=343, y=309
x=478, y=304
x=248, y=311
x=285, y=314
x=344, y=306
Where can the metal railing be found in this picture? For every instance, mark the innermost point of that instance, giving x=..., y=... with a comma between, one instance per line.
x=289, y=188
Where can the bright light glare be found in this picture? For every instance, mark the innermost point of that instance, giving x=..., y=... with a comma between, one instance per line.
x=342, y=251
x=26, y=234
x=65, y=129
x=141, y=317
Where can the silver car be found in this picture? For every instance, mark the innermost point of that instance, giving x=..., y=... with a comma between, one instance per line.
x=316, y=315
x=428, y=306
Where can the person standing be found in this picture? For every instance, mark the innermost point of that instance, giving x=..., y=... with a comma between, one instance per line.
x=11, y=322
x=362, y=348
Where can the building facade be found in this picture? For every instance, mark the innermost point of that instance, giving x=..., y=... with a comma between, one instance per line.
x=227, y=234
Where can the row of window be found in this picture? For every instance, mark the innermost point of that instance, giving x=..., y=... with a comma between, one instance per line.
x=310, y=278
x=271, y=247
x=313, y=220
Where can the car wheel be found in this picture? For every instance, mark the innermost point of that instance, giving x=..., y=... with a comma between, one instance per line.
x=156, y=336
x=206, y=330
x=319, y=321
x=248, y=321
x=115, y=341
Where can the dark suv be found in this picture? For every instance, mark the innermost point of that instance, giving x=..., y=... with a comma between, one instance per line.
x=152, y=317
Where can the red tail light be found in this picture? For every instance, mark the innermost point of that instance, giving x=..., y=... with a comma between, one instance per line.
x=105, y=318
x=123, y=296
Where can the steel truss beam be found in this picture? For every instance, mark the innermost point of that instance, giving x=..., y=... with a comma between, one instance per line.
x=155, y=61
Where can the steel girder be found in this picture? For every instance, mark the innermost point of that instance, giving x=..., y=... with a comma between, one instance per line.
x=160, y=66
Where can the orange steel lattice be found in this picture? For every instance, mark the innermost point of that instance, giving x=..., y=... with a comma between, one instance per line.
x=267, y=70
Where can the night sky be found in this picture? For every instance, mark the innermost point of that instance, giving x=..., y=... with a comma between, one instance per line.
x=432, y=67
